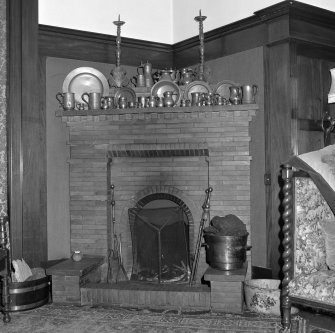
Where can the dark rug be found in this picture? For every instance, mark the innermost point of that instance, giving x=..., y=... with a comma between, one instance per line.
x=67, y=318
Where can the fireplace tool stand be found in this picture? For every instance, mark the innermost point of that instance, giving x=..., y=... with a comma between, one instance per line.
x=114, y=242
x=204, y=218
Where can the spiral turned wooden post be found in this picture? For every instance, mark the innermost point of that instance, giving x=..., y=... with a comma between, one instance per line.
x=287, y=174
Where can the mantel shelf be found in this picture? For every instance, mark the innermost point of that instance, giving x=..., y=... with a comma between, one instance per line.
x=240, y=107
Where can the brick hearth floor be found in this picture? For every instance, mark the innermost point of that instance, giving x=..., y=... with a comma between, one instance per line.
x=139, y=294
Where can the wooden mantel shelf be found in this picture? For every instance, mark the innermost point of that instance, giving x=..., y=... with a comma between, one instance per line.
x=240, y=107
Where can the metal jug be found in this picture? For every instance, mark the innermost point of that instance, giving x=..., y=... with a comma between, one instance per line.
x=248, y=93
x=235, y=95
x=186, y=76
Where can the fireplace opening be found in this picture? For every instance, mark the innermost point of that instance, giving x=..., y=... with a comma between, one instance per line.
x=160, y=242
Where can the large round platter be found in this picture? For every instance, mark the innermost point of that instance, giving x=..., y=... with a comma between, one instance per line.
x=85, y=79
x=126, y=92
x=160, y=87
x=222, y=88
x=196, y=86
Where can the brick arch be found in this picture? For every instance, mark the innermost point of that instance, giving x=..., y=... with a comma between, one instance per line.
x=166, y=196
x=165, y=192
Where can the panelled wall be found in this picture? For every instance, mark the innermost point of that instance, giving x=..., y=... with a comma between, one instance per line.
x=294, y=39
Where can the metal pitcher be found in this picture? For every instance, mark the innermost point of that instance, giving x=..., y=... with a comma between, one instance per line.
x=248, y=93
x=235, y=95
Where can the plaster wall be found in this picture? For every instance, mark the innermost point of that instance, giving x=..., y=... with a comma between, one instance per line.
x=165, y=21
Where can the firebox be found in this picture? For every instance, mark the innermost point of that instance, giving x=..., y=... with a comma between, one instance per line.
x=160, y=244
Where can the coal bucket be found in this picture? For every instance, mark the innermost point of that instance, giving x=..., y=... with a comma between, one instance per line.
x=226, y=252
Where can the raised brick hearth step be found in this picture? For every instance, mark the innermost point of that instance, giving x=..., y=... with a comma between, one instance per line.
x=68, y=276
x=171, y=296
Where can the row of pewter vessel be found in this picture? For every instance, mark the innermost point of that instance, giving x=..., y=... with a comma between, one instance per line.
x=94, y=101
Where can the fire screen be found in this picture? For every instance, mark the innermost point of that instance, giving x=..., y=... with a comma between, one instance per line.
x=160, y=244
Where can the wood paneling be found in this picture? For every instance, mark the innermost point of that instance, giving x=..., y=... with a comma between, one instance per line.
x=27, y=136
x=88, y=46
x=14, y=128
x=220, y=42
x=278, y=139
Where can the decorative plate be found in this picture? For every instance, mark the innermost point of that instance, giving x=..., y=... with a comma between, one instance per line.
x=160, y=87
x=222, y=88
x=127, y=92
x=196, y=86
x=85, y=79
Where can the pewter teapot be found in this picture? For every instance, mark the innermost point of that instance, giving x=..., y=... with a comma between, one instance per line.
x=186, y=76
x=167, y=74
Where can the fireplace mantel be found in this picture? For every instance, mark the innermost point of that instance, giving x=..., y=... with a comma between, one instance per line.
x=160, y=110
x=179, y=151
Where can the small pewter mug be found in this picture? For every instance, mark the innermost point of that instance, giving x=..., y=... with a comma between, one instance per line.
x=142, y=101
x=195, y=98
x=123, y=102
x=110, y=102
x=80, y=106
x=104, y=103
x=152, y=101
x=93, y=100
x=66, y=100
x=160, y=102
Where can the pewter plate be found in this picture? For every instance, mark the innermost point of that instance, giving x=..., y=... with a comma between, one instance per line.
x=127, y=92
x=196, y=86
x=85, y=79
x=222, y=88
x=160, y=87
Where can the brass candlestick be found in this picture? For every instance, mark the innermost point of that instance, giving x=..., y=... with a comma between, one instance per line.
x=118, y=74
x=200, y=19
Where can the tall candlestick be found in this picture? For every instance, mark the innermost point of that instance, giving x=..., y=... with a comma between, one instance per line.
x=200, y=19
x=118, y=24
x=118, y=74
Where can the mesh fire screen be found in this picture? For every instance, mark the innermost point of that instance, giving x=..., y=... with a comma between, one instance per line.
x=160, y=244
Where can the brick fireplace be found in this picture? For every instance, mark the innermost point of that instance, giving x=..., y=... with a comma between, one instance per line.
x=173, y=154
